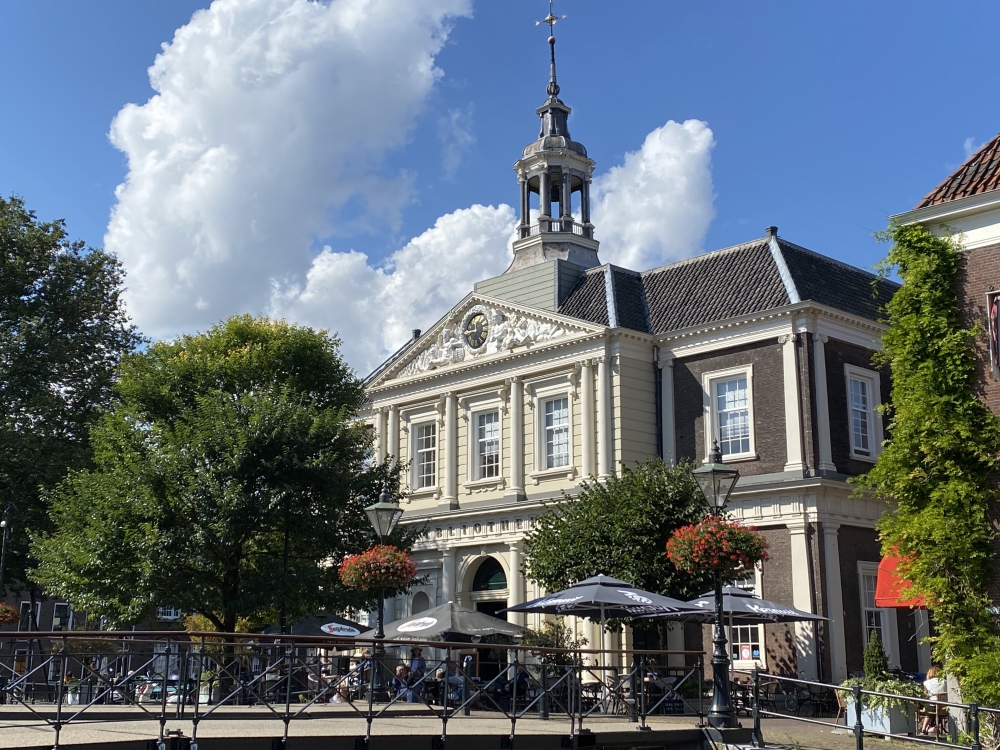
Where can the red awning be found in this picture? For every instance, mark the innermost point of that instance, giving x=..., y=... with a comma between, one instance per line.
x=893, y=591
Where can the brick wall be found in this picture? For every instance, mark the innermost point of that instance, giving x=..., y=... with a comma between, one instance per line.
x=839, y=353
x=768, y=404
x=856, y=544
x=980, y=274
x=776, y=586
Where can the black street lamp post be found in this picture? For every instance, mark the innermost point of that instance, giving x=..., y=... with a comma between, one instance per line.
x=8, y=514
x=384, y=516
x=716, y=481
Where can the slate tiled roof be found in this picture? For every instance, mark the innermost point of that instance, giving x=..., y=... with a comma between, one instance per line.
x=980, y=174
x=630, y=299
x=725, y=284
x=836, y=284
x=588, y=300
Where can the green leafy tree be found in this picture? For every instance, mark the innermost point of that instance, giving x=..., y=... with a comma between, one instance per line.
x=553, y=634
x=227, y=454
x=619, y=528
x=936, y=468
x=63, y=331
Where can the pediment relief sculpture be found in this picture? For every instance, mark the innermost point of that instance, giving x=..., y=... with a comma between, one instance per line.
x=481, y=331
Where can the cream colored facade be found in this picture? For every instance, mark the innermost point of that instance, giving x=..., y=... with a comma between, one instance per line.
x=470, y=518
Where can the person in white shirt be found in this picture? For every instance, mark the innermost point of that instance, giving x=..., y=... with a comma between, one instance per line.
x=937, y=689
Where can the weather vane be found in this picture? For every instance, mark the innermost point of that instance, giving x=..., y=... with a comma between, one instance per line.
x=551, y=19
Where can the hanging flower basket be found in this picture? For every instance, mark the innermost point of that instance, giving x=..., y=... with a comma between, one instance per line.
x=8, y=615
x=381, y=567
x=717, y=545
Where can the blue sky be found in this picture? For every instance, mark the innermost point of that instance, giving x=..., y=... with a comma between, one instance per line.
x=826, y=118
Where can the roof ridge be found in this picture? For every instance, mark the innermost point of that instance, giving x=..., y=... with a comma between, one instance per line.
x=836, y=262
x=695, y=258
x=791, y=289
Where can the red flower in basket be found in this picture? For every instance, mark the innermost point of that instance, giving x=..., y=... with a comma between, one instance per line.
x=717, y=545
x=381, y=567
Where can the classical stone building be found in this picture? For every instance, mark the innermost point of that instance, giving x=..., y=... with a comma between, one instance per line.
x=563, y=368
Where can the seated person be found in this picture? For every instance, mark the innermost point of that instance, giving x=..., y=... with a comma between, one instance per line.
x=400, y=684
x=937, y=689
x=504, y=689
x=453, y=680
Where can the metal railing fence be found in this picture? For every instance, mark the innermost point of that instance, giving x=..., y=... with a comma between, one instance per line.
x=58, y=679
x=965, y=726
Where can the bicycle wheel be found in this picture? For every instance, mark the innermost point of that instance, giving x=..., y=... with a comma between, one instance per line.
x=791, y=702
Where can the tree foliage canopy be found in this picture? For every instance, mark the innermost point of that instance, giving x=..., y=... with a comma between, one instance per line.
x=619, y=528
x=63, y=331
x=944, y=446
x=218, y=445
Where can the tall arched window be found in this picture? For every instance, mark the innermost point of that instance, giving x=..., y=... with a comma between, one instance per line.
x=489, y=576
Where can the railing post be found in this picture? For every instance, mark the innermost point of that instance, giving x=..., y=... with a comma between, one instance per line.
x=63, y=664
x=757, y=737
x=635, y=686
x=974, y=725
x=543, y=699
x=859, y=727
x=289, y=653
x=701, y=694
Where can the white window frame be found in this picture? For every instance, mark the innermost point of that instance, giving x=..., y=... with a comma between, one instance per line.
x=169, y=614
x=890, y=632
x=415, y=451
x=549, y=431
x=852, y=372
x=38, y=614
x=410, y=420
x=708, y=381
x=474, y=408
x=541, y=393
x=68, y=624
x=749, y=663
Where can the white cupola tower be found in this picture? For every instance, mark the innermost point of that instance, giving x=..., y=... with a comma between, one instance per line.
x=556, y=168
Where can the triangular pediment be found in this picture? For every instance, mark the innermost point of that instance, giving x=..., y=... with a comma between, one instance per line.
x=481, y=328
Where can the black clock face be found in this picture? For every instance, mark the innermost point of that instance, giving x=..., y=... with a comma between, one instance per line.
x=476, y=331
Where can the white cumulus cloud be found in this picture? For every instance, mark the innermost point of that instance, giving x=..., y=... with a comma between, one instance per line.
x=657, y=206
x=375, y=307
x=269, y=116
x=269, y=129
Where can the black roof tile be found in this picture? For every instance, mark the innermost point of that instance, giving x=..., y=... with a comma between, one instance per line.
x=588, y=299
x=725, y=284
x=830, y=282
x=630, y=300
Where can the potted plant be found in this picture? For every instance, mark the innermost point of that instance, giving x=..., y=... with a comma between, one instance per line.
x=878, y=713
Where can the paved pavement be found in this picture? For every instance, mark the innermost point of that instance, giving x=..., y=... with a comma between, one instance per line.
x=333, y=727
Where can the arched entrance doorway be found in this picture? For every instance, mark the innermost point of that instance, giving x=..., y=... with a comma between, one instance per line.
x=489, y=587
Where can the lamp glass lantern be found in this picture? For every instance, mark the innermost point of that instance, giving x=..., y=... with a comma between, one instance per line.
x=716, y=480
x=384, y=515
